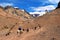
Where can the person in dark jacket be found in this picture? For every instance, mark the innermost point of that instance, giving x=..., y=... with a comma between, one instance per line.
x=27, y=30
x=35, y=28
x=19, y=31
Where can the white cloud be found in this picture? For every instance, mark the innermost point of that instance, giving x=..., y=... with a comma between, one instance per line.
x=41, y=13
x=43, y=8
x=6, y=4
x=54, y=1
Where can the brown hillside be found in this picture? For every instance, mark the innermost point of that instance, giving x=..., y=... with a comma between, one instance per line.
x=49, y=27
x=9, y=20
x=46, y=27
x=17, y=12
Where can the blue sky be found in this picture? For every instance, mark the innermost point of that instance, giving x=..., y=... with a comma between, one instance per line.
x=32, y=6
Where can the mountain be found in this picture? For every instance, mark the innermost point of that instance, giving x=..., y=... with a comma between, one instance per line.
x=49, y=27
x=10, y=16
x=17, y=12
x=46, y=27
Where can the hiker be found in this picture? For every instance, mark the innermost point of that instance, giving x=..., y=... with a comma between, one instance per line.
x=8, y=33
x=23, y=29
x=16, y=23
x=35, y=28
x=53, y=39
x=19, y=31
x=39, y=26
x=27, y=30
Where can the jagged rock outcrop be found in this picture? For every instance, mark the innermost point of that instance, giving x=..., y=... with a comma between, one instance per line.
x=58, y=5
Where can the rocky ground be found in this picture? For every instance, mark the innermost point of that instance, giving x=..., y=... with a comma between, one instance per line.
x=46, y=27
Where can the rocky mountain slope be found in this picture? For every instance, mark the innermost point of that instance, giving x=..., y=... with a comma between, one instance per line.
x=10, y=16
x=46, y=27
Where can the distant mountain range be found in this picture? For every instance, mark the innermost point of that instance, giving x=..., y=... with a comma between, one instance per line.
x=14, y=11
